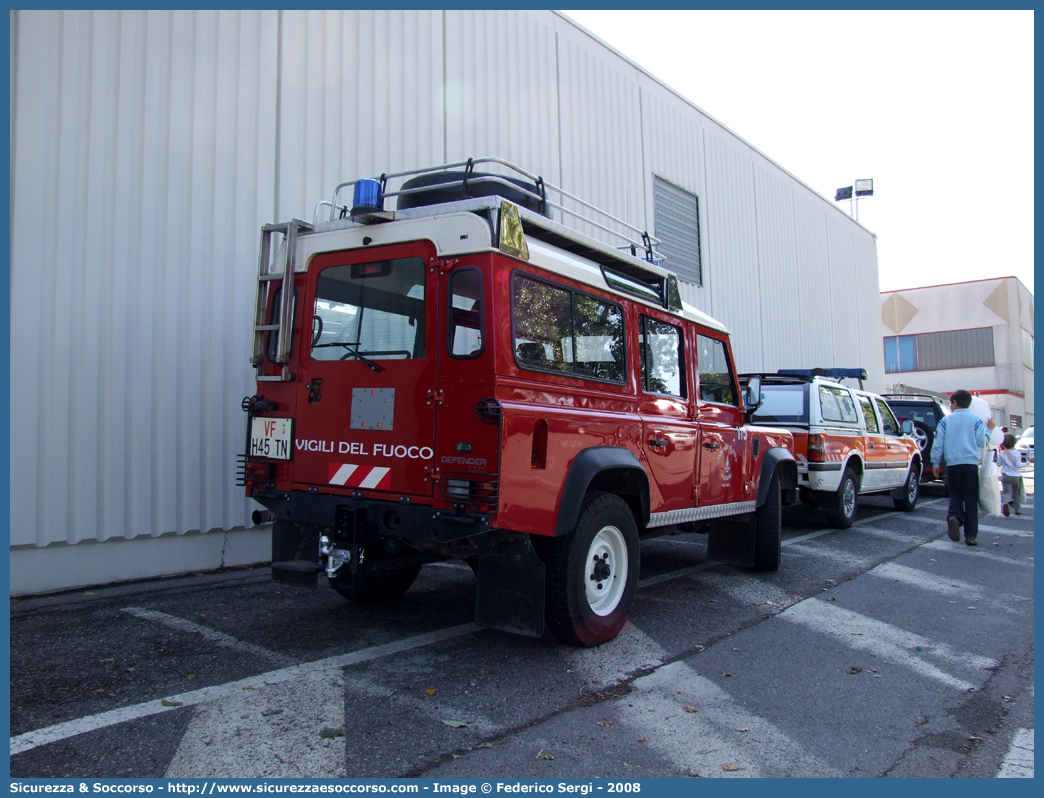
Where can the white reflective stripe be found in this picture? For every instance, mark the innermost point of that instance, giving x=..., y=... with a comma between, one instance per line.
x=374, y=477
x=342, y=474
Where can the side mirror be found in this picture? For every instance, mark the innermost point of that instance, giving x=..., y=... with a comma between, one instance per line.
x=753, y=398
x=908, y=427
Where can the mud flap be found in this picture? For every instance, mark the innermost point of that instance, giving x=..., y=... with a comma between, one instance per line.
x=731, y=540
x=510, y=593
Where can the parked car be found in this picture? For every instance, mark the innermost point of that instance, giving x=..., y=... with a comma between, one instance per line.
x=1025, y=446
x=848, y=442
x=925, y=411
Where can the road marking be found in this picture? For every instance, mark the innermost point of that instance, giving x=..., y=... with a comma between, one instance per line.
x=61, y=731
x=975, y=551
x=209, y=634
x=692, y=569
x=707, y=740
x=1004, y=530
x=1018, y=764
x=945, y=585
x=891, y=642
x=841, y=557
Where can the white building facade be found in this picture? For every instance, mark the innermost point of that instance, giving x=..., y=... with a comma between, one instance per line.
x=974, y=335
x=148, y=148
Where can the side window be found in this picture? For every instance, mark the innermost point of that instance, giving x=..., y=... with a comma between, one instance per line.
x=556, y=329
x=836, y=404
x=891, y=426
x=467, y=317
x=868, y=414
x=663, y=368
x=715, y=377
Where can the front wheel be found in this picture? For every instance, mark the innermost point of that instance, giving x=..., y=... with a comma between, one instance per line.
x=845, y=502
x=907, y=502
x=768, y=535
x=593, y=573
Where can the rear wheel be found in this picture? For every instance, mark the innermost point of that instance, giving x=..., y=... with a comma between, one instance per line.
x=908, y=501
x=845, y=502
x=593, y=573
x=768, y=536
x=376, y=588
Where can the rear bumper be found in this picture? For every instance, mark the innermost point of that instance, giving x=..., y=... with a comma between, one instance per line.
x=385, y=519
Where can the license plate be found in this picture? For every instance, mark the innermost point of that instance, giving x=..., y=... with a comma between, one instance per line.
x=270, y=437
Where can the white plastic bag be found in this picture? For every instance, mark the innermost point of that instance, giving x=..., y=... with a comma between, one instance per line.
x=989, y=486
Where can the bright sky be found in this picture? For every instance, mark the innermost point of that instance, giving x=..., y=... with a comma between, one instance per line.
x=935, y=106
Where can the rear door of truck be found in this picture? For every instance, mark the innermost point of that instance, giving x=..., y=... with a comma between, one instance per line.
x=365, y=416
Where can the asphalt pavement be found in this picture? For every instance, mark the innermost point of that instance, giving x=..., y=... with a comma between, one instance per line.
x=882, y=650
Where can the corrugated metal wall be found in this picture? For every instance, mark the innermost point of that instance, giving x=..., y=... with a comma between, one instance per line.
x=143, y=153
x=149, y=147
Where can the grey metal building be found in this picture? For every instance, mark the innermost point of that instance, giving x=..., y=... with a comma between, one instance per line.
x=149, y=147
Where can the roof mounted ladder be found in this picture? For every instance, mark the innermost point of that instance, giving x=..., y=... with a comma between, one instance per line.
x=266, y=276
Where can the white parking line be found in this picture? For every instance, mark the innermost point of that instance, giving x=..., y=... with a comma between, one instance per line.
x=1006, y=530
x=707, y=741
x=61, y=731
x=975, y=551
x=945, y=585
x=211, y=635
x=891, y=642
x=1018, y=764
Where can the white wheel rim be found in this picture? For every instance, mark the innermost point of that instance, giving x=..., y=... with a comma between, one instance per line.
x=921, y=437
x=605, y=571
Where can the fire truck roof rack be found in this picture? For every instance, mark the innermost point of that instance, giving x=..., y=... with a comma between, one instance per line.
x=444, y=187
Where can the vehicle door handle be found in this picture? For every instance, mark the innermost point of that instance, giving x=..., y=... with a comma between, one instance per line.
x=657, y=442
x=871, y=446
x=712, y=445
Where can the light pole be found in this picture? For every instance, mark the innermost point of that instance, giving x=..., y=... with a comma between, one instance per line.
x=863, y=188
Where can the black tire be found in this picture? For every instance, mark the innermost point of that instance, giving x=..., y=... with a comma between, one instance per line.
x=606, y=534
x=845, y=502
x=911, y=491
x=768, y=535
x=375, y=588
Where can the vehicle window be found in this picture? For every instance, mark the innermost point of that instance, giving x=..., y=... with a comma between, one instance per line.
x=836, y=404
x=919, y=413
x=868, y=414
x=370, y=310
x=783, y=403
x=466, y=314
x=662, y=362
x=715, y=377
x=561, y=330
x=888, y=422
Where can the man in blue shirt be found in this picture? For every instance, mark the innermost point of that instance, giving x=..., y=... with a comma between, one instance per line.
x=959, y=438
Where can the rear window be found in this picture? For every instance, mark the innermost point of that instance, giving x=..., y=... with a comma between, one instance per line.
x=374, y=310
x=921, y=413
x=783, y=404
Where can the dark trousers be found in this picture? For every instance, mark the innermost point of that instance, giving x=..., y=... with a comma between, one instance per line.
x=963, y=482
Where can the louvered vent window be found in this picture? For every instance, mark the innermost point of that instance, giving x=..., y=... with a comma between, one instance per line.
x=677, y=225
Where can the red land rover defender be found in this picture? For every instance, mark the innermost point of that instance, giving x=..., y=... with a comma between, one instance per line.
x=464, y=377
